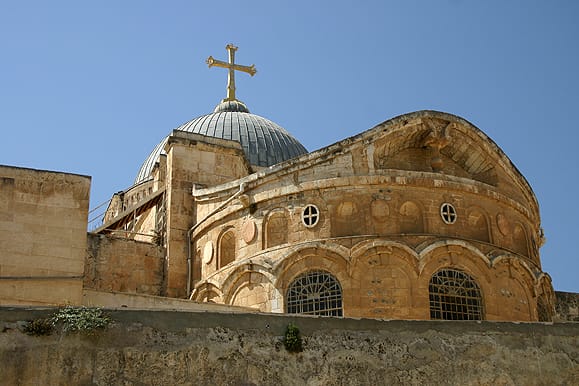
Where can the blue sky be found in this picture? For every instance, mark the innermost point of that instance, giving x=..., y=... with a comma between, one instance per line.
x=91, y=87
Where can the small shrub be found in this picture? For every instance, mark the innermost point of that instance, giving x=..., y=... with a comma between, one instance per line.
x=39, y=327
x=292, y=340
x=80, y=319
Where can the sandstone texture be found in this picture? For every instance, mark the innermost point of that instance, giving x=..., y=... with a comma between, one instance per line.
x=185, y=348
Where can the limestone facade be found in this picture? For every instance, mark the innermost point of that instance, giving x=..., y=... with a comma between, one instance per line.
x=420, y=217
x=43, y=217
x=380, y=215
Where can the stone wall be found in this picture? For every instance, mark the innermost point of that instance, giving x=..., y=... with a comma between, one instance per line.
x=43, y=220
x=178, y=348
x=124, y=265
x=567, y=306
x=123, y=300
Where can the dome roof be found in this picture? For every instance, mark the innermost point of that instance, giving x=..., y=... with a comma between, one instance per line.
x=264, y=142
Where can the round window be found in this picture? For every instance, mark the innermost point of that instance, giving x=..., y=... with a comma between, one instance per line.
x=310, y=215
x=448, y=213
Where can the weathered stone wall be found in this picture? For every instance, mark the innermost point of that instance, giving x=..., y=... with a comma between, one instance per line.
x=124, y=265
x=152, y=348
x=567, y=306
x=43, y=220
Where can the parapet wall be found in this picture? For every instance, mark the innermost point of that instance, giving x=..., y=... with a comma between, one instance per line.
x=43, y=217
x=567, y=307
x=177, y=348
x=123, y=265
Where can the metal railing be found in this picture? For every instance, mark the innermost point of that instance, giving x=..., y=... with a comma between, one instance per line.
x=96, y=215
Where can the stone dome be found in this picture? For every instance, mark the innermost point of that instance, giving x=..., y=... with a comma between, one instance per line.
x=264, y=142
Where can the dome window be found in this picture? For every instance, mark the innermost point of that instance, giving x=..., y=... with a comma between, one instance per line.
x=310, y=216
x=448, y=213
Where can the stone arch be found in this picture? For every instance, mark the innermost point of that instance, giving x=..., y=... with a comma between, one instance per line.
x=208, y=292
x=454, y=255
x=312, y=259
x=545, y=299
x=251, y=289
x=275, y=228
x=383, y=277
x=383, y=247
x=477, y=225
x=338, y=252
x=544, y=313
x=453, y=247
x=520, y=264
x=315, y=292
x=226, y=248
x=308, y=258
x=411, y=219
x=470, y=260
x=233, y=277
x=454, y=295
x=513, y=290
x=520, y=239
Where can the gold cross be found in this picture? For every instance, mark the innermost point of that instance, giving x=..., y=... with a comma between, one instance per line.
x=231, y=66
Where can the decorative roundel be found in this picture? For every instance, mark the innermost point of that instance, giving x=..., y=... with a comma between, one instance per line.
x=208, y=252
x=248, y=231
x=448, y=213
x=310, y=216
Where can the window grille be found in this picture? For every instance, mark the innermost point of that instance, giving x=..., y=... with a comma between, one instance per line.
x=448, y=213
x=454, y=295
x=315, y=293
x=310, y=216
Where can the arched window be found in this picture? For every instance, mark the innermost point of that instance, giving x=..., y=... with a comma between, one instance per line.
x=315, y=293
x=226, y=249
x=454, y=295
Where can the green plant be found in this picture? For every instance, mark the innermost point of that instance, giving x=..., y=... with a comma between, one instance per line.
x=80, y=319
x=292, y=339
x=39, y=327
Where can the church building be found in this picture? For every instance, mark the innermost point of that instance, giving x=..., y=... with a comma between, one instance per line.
x=420, y=217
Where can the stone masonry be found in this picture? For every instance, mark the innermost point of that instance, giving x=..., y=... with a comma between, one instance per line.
x=177, y=348
x=43, y=217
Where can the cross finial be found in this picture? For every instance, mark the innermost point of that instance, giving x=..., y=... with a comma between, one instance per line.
x=231, y=66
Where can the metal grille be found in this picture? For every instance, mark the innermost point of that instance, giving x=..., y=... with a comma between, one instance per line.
x=315, y=293
x=454, y=295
